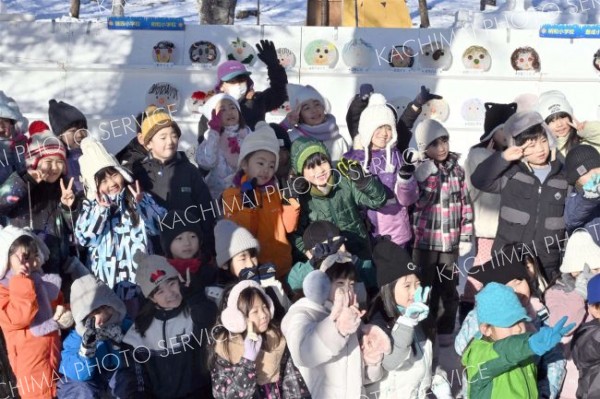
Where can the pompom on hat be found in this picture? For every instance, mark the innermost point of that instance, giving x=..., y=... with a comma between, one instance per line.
x=41, y=144
x=377, y=114
x=231, y=317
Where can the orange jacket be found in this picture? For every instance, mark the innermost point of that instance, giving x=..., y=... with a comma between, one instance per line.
x=269, y=223
x=34, y=360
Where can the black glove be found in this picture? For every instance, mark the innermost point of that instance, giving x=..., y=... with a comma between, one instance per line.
x=295, y=187
x=89, y=338
x=365, y=91
x=425, y=96
x=249, y=199
x=267, y=52
x=353, y=171
x=408, y=167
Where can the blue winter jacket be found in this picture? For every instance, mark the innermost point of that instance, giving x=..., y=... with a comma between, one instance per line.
x=583, y=212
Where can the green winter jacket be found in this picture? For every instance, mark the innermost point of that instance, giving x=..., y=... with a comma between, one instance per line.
x=365, y=269
x=502, y=369
x=341, y=207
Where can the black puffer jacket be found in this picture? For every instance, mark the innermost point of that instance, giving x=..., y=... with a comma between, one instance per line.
x=178, y=184
x=133, y=152
x=530, y=212
x=585, y=349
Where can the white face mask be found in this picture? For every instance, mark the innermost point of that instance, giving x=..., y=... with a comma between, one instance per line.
x=237, y=91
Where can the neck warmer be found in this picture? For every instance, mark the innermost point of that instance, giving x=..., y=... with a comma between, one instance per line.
x=328, y=130
x=230, y=142
x=182, y=265
x=561, y=144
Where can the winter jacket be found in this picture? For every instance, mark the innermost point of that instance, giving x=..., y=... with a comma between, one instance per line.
x=501, y=369
x=581, y=212
x=365, y=271
x=269, y=222
x=176, y=345
x=531, y=212
x=393, y=218
x=330, y=363
x=45, y=214
x=340, y=206
x=11, y=156
x=219, y=154
x=486, y=206
x=551, y=365
x=403, y=126
x=256, y=104
x=443, y=216
x=73, y=170
x=34, y=359
x=337, y=142
x=132, y=153
x=240, y=380
x=112, y=239
x=408, y=369
x=177, y=184
x=586, y=355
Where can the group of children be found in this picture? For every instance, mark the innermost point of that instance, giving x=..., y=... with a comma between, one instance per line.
x=299, y=260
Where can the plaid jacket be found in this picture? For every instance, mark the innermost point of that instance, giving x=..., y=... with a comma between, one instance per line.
x=443, y=216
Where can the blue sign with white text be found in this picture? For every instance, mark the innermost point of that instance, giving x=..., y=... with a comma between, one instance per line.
x=570, y=31
x=145, y=23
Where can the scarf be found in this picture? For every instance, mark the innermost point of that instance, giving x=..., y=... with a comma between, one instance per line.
x=328, y=130
x=267, y=363
x=47, y=288
x=182, y=265
x=230, y=142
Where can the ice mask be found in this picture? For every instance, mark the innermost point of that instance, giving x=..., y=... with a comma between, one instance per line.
x=237, y=91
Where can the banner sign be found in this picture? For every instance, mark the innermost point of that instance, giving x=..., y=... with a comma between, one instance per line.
x=145, y=23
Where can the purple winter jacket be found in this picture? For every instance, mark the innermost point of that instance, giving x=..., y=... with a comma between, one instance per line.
x=391, y=219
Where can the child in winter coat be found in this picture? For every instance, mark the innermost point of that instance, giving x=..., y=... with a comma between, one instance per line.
x=568, y=132
x=443, y=225
x=375, y=149
x=509, y=268
x=533, y=190
x=38, y=198
x=250, y=359
x=334, y=195
x=114, y=222
x=582, y=208
x=219, y=151
x=309, y=118
x=70, y=126
x=586, y=343
x=238, y=253
x=568, y=294
x=181, y=237
x=399, y=308
x=171, y=333
x=134, y=151
x=173, y=181
x=30, y=313
x=322, y=333
x=12, y=140
x=500, y=361
x=256, y=203
x=92, y=361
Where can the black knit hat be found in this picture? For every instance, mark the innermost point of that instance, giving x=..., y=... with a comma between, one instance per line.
x=320, y=231
x=507, y=265
x=392, y=262
x=282, y=136
x=63, y=116
x=176, y=222
x=580, y=160
x=495, y=115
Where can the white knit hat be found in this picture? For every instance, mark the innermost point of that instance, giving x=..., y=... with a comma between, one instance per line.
x=552, y=102
x=214, y=101
x=581, y=250
x=299, y=94
x=93, y=159
x=263, y=138
x=10, y=110
x=152, y=270
x=427, y=132
x=8, y=236
x=231, y=239
x=375, y=115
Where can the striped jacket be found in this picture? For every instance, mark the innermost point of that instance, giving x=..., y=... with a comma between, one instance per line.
x=443, y=216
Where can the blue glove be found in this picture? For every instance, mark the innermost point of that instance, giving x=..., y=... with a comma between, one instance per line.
x=249, y=199
x=591, y=187
x=548, y=337
x=418, y=310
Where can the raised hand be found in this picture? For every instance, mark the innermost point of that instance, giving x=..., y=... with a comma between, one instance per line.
x=101, y=199
x=67, y=196
x=418, y=310
x=548, y=337
x=515, y=153
x=424, y=96
x=267, y=53
x=136, y=191
x=353, y=171
x=408, y=166
x=215, y=122
x=89, y=338
x=375, y=344
x=37, y=175
x=579, y=126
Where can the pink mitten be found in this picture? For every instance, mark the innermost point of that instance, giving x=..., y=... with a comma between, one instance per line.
x=375, y=344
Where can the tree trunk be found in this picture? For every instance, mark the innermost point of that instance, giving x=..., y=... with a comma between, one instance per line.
x=424, y=14
x=75, y=4
x=217, y=12
x=118, y=8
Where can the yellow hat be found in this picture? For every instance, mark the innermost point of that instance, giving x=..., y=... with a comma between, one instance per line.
x=154, y=120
